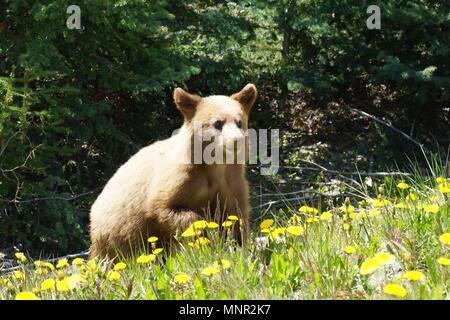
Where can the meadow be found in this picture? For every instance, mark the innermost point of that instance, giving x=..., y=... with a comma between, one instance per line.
x=389, y=240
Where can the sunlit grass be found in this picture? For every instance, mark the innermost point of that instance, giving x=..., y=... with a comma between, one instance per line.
x=392, y=242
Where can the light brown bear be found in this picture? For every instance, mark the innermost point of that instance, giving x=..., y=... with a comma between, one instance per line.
x=156, y=192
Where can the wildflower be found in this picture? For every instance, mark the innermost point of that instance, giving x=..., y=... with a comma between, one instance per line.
x=225, y=263
x=295, y=230
x=233, y=218
x=200, y=224
x=48, y=284
x=312, y=219
x=48, y=265
x=307, y=209
x=414, y=275
x=361, y=215
x=38, y=263
x=157, y=251
x=384, y=257
x=348, y=209
x=41, y=271
x=444, y=188
x=113, y=275
x=77, y=261
x=326, y=216
x=190, y=232
x=266, y=223
x=371, y=265
x=374, y=212
x=443, y=261
x=212, y=225
x=349, y=249
x=380, y=202
x=62, y=263
x=440, y=180
x=431, y=208
x=202, y=241
x=346, y=226
x=401, y=205
x=395, y=290
x=445, y=238
x=146, y=258
x=19, y=275
x=20, y=256
x=119, y=266
x=63, y=285
x=411, y=197
x=26, y=295
x=209, y=271
x=182, y=278
x=295, y=219
x=152, y=239
x=403, y=186
x=227, y=224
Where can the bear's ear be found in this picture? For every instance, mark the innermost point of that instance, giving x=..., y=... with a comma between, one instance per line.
x=246, y=97
x=186, y=102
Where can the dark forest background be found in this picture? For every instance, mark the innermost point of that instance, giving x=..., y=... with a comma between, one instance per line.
x=75, y=104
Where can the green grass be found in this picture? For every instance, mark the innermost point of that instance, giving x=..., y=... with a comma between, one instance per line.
x=277, y=264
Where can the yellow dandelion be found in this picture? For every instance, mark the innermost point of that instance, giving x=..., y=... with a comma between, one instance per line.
x=113, y=275
x=202, y=241
x=48, y=265
x=200, y=224
x=152, y=239
x=48, y=284
x=308, y=209
x=77, y=261
x=395, y=290
x=233, y=218
x=212, y=225
x=210, y=271
x=226, y=264
x=190, y=232
x=369, y=266
x=440, y=180
x=403, y=186
x=401, y=205
x=413, y=275
x=62, y=263
x=380, y=202
x=26, y=295
x=444, y=188
x=312, y=219
x=19, y=275
x=41, y=271
x=182, y=278
x=326, y=216
x=120, y=266
x=157, y=251
x=20, y=256
x=431, y=208
x=295, y=219
x=445, y=238
x=38, y=263
x=295, y=230
x=443, y=261
x=346, y=226
x=411, y=197
x=384, y=257
x=266, y=224
x=374, y=212
x=349, y=250
x=63, y=285
x=145, y=258
x=227, y=224
x=348, y=208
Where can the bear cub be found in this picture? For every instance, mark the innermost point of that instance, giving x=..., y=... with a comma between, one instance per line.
x=171, y=183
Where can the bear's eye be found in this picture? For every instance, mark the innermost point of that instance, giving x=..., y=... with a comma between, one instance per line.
x=239, y=124
x=218, y=124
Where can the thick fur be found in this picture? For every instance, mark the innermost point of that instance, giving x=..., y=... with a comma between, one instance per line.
x=154, y=193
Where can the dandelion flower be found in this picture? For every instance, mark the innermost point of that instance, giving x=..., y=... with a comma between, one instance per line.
x=384, y=257
x=227, y=224
x=19, y=275
x=113, y=275
x=346, y=226
x=157, y=251
x=266, y=223
x=226, y=264
x=373, y=264
x=209, y=271
x=308, y=209
x=440, y=180
x=212, y=225
x=395, y=290
x=200, y=224
x=411, y=197
x=20, y=256
x=414, y=275
x=349, y=249
x=443, y=261
x=63, y=285
x=431, y=208
x=48, y=265
x=152, y=239
x=326, y=216
x=312, y=219
x=62, y=263
x=202, y=241
x=182, y=278
x=401, y=205
x=48, y=284
x=444, y=189
x=445, y=238
x=119, y=266
x=77, y=261
x=403, y=186
x=295, y=230
x=233, y=218
x=41, y=271
x=190, y=232
x=146, y=258
x=26, y=295
x=348, y=208
x=380, y=202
